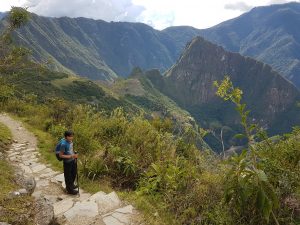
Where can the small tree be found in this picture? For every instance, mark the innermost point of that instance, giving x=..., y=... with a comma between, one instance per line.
x=13, y=58
x=248, y=190
x=18, y=16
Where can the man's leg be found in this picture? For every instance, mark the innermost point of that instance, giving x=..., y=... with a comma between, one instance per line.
x=74, y=172
x=68, y=176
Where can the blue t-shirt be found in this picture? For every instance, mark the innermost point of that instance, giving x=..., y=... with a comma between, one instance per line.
x=67, y=148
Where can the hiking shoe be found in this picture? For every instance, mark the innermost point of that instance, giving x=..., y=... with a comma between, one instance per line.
x=75, y=187
x=72, y=192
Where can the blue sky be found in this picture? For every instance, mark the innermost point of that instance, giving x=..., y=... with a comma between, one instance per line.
x=157, y=13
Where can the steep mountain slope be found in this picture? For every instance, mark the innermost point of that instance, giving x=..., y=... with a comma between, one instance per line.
x=190, y=84
x=100, y=50
x=2, y=15
x=47, y=85
x=139, y=90
x=269, y=34
x=91, y=47
x=48, y=42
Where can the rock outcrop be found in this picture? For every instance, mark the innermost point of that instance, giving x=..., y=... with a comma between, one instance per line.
x=189, y=83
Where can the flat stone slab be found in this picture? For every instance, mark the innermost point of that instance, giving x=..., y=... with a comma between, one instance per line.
x=83, y=196
x=60, y=178
x=38, y=168
x=98, y=196
x=31, y=161
x=42, y=183
x=85, y=209
x=28, y=150
x=26, y=169
x=107, y=203
x=48, y=175
x=31, y=164
x=27, y=155
x=62, y=206
x=14, y=159
x=48, y=170
x=33, y=157
x=13, y=154
x=110, y=220
x=19, y=148
x=124, y=218
x=18, y=145
x=119, y=216
x=125, y=210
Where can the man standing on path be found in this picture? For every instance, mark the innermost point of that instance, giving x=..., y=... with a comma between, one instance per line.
x=70, y=165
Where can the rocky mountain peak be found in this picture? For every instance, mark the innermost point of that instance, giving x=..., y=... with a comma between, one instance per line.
x=190, y=84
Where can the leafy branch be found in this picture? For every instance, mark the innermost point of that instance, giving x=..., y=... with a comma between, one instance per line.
x=248, y=189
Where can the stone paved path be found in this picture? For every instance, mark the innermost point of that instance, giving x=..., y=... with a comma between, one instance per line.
x=86, y=209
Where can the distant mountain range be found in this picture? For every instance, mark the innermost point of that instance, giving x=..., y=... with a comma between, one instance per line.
x=269, y=34
x=95, y=48
x=270, y=97
x=2, y=15
x=102, y=50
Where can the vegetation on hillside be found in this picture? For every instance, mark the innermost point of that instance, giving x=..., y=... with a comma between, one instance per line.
x=171, y=179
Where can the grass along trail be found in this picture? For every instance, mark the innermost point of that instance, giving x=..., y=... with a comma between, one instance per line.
x=86, y=209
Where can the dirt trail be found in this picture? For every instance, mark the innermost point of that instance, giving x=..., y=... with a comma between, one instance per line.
x=86, y=209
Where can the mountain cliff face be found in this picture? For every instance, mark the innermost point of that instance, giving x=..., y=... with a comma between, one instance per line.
x=269, y=34
x=190, y=84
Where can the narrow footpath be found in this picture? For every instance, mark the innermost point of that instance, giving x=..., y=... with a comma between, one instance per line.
x=86, y=209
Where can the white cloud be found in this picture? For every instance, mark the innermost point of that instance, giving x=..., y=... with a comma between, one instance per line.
x=5, y=5
x=278, y=1
x=157, y=13
x=109, y=10
x=240, y=6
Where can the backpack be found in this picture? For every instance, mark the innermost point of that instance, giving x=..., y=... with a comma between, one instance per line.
x=57, y=150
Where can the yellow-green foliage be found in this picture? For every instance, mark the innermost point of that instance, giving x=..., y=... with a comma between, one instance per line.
x=183, y=184
x=5, y=136
x=132, y=153
x=281, y=163
x=260, y=178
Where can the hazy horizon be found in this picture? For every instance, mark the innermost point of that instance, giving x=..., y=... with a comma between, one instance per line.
x=158, y=14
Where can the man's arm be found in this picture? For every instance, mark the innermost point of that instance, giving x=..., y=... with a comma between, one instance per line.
x=63, y=156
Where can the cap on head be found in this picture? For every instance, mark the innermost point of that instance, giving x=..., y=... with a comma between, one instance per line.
x=69, y=133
